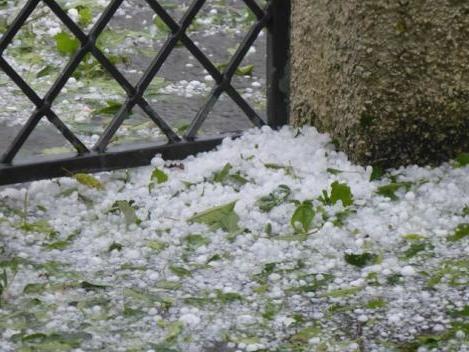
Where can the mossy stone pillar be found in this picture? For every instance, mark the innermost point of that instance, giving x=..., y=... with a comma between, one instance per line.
x=388, y=79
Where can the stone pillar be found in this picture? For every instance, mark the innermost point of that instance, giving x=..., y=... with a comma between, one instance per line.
x=388, y=79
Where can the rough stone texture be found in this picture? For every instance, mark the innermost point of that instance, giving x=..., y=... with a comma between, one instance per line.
x=388, y=79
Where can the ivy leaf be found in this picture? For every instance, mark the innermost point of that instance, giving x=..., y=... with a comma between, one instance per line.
x=89, y=181
x=415, y=248
x=334, y=171
x=157, y=246
x=228, y=297
x=111, y=108
x=66, y=44
x=85, y=15
x=245, y=70
x=389, y=191
x=174, y=330
x=87, y=286
x=45, y=71
x=275, y=198
x=376, y=303
x=465, y=211
x=157, y=177
x=222, y=217
x=161, y=25
x=377, y=173
x=342, y=192
x=180, y=271
x=413, y=237
x=462, y=231
x=40, y=226
x=302, y=218
x=287, y=169
x=221, y=175
x=361, y=260
x=115, y=247
x=462, y=159
x=127, y=209
x=195, y=241
x=35, y=288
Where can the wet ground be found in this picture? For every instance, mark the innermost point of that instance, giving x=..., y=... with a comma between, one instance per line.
x=177, y=93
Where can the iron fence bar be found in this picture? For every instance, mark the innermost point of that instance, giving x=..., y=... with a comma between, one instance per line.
x=278, y=58
x=17, y=24
x=36, y=100
x=93, y=162
x=148, y=76
x=274, y=17
x=255, y=8
x=59, y=83
x=205, y=61
x=208, y=65
x=114, y=72
x=236, y=60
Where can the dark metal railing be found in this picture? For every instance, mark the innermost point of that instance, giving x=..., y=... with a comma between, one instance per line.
x=275, y=17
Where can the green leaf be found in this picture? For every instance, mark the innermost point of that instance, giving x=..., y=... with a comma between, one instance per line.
x=168, y=285
x=157, y=177
x=91, y=287
x=115, y=247
x=58, y=245
x=376, y=303
x=34, y=288
x=221, y=175
x=302, y=218
x=334, y=171
x=465, y=211
x=275, y=198
x=45, y=71
x=228, y=297
x=245, y=70
x=195, y=241
x=462, y=231
x=180, y=271
x=126, y=208
x=287, y=169
x=240, y=71
x=214, y=258
x=271, y=310
x=339, y=191
x=157, y=246
x=40, y=226
x=463, y=313
x=377, y=173
x=342, y=292
x=462, y=159
x=66, y=44
x=303, y=336
x=389, y=190
x=415, y=248
x=85, y=15
x=222, y=217
x=174, y=330
x=112, y=107
x=413, y=237
x=361, y=260
x=342, y=192
x=88, y=180
x=161, y=25
x=394, y=279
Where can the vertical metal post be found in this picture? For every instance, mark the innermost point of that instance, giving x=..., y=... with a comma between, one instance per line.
x=278, y=64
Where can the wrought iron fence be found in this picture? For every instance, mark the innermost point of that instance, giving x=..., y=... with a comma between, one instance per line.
x=274, y=17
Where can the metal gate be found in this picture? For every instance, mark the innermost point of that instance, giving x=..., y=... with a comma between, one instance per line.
x=275, y=17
